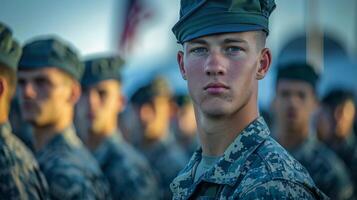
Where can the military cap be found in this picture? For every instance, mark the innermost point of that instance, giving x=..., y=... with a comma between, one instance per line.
x=157, y=87
x=336, y=97
x=10, y=50
x=51, y=52
x=205, y=17
x=300, y=71
x=102, y=68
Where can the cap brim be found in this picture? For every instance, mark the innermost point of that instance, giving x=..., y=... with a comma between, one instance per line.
x=224, y=28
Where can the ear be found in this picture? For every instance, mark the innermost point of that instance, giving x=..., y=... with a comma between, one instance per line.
x=75, y=92
x=264, y=63
x=121, y=103
x=180, y=61
x=147, y=113
x=2, y=86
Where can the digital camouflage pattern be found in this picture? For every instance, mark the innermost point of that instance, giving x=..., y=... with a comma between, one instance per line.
x=254, y=166
x=326, y=169
x=127, y=171
x=20, y=175
x=70, y=170
x=166, y=159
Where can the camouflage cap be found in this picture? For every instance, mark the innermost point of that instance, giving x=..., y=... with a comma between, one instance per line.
x=205, y=17
x=51, y=52
x=102, y=68
x=300, y=71
x=10, y=50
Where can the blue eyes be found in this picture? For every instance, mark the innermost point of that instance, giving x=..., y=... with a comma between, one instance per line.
x=233, y=49
x=198, y=50
x=228, y=50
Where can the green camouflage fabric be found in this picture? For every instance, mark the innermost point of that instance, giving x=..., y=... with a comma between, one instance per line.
x=20, y=175
x=127, y=171
x=166, y=158
x=326, y=169
x=70, y=170
x=254, y=166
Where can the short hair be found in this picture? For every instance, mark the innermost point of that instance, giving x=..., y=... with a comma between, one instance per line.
x=11, y=78
x=300, y=71
x=261, y=37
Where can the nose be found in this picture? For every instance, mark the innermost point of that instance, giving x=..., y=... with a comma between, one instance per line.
x=92, y=99
x=28, y=91
x=215, y=64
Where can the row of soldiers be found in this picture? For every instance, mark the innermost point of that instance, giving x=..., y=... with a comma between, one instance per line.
x=318, y=133
x=91, y=158
x=52, y=79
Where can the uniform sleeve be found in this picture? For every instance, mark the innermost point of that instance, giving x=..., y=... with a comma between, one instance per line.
x=280, y=189
x=71, y=183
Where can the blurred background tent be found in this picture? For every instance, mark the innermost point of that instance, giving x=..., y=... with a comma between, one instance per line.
x=322, y=31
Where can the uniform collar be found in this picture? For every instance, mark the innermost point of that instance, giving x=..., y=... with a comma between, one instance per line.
x=100, y=153
x=228, y=167
x=5, y=128
x=66, y=137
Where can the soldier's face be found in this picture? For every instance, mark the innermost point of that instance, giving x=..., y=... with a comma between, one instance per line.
x=100, y=105
x=221, y=71
x=294, y=103
x=44, y=94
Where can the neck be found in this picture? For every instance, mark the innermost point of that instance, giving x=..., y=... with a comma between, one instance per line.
x=44, y=133
x=216, y=134
x=94, y=139
x=291, y=137
x=3, y=113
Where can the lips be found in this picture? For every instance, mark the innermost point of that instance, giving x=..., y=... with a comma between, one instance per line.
x=215, y=88
x=29, y=105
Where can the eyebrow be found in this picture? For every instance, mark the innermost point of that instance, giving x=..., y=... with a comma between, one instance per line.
x=229, y=40
x=198, y=41
x=225, y=41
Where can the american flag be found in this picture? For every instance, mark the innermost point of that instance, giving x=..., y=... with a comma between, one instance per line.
x=137, y=11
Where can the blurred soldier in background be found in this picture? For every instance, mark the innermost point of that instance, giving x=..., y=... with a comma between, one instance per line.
x=128, y=172
x=334, y=125
x=49, y=74
x=184, y=124
x=20, y=128
x=294, y=104
x=20, y=176
x=151, y=103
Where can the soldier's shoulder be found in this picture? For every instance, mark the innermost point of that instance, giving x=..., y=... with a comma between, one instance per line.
x=271, y=162
x=278, y=189
x=14, y=151
x=271, y=169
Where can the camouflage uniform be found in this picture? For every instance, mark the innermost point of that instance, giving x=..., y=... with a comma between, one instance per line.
x=70, y=171
x=254, y=166
x=166, y=158
x=20, y=176
x=129, y=174
x=325, y=168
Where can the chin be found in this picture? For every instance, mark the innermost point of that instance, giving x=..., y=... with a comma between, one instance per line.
x=216, y=112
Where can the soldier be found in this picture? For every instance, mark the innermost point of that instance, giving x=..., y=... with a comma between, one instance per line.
x=128, y=172
x=49, y=74
x=151, y=103
x=20, y=176
x=335, y=127
x=183, y=123
x=294, y=104
x=223, y=58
